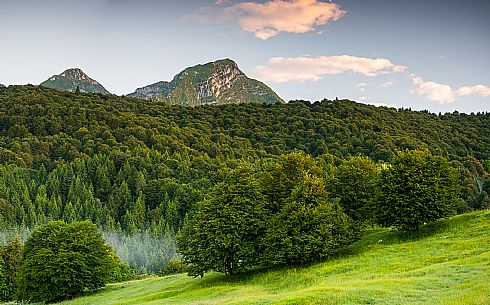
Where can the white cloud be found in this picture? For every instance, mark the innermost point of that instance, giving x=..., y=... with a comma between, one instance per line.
x=305, y=68
x=433, y=91
x=388, y=84
x=361, y=87
x=380, y=104
x=272, y=17
x=365, y=100
x=443, y=93
x=477, y=90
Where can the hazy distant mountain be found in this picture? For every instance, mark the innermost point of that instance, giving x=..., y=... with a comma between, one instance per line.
x=219, y=82
x=70, y=79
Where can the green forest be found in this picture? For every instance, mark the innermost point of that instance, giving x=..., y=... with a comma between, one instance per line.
x=149, y=174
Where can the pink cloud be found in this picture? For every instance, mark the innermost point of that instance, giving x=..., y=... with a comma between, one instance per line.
x=272, y=17
x=306, y=68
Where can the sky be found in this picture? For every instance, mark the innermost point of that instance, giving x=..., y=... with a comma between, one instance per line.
x=418, y=54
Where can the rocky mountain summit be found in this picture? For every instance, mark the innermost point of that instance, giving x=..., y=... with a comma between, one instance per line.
x=70, y=79
x=219, y=82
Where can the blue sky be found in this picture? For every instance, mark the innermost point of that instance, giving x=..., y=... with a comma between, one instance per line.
x=421, y=54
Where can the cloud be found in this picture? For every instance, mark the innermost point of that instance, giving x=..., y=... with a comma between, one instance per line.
x=475, y=90
x=443, y=93
x=361, y=87
x=365, y=100
x=272, y=17
x=433, y=91
x=306, y=68
x=388, y=84
x=380, y=104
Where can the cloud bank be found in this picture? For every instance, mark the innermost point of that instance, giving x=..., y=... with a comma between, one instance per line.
x=273, y=17
x=443, y=93
x=305, y=68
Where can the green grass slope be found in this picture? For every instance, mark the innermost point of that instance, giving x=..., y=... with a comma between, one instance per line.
x=448, y=263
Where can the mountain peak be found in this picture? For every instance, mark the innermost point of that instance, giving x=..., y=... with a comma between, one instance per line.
x=225, y=62
x=72, y=78
x=79, y=75
x=217, y=82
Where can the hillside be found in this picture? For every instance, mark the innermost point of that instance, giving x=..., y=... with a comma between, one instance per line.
x=219, y=82
x=70, y=79
x=446, y=264
x=102, y=157
x=31, y=115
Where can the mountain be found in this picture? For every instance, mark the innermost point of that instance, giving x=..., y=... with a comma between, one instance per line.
x=153, y=90
x=70, y=79
x=219, y=82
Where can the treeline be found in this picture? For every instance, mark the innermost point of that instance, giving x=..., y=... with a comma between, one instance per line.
x=297, y=209
x=137, y=169
x=44, y=126
x=133, y=200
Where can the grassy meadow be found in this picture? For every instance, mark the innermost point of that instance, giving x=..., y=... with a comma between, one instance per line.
x=448, y=262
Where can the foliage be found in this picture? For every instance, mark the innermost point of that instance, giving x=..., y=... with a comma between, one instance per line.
x=63, y=260
x=308, y=228
x=354, y=184
x=281, y=217
x=125, y=196
x=44, y=126
x=223, y=233
x=137, y=168
x=282, y=176
x=417, y=188
x=10, y=260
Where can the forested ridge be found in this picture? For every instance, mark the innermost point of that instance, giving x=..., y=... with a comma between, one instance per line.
x=137, y=168
x=40, y=126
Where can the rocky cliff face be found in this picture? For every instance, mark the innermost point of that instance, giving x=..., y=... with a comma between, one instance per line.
x=219, y=82
x=150, y=91
x=70, y=79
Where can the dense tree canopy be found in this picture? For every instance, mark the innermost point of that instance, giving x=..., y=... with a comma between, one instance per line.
x=272, y=215
x=137, y=168
x=62, y=261
x=416, y=188
x=10, y=261
x=41, y=126
x=223, y=234
x=354, y=183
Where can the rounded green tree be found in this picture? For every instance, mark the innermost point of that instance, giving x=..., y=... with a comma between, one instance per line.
x=309, y=227
x=417, y=188
x=222, y=235
x=63, y=260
